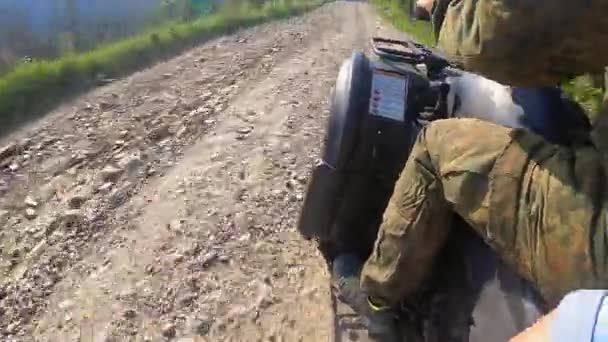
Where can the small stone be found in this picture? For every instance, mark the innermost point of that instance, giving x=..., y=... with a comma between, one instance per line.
x=30, y=202
x=134, y=166
x=244, y=130
x=202, y=326
x=186, y=339
x=129, y=313
x=13, y=167
x=8, y=151
x=127, y=293
x=150, y=269
x=208, y=258
x=4, y=216
x=105, y=187
x=223, y=258
x=188, y=298
x=13, y=327
x=159, y=132
x=56, y=166
x=66, y=304
x=104, y=106
x=76, y=201
x=110, y=173
x=30, y=213
x=119, y=196
x=167, y=75
x=63, y=182
x=168, y=330
x=291, y=184
x=177, y=258
x=176, y=225
x=242, y=222
x=182, y=131
x=67, y=220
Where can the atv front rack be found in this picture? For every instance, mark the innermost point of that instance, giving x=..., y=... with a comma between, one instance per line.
x=408, y=51
x=399, y=50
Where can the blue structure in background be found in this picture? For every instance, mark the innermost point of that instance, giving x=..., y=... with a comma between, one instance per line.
x=44, y=18
x=35, y=27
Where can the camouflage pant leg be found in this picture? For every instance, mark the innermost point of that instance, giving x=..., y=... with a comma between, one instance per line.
x=448, y=170
x=535, y=203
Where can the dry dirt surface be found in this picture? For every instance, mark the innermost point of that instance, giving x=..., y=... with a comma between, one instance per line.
x=163, y=206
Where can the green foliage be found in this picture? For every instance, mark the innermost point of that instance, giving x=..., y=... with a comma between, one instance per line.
x=586, y=93
x=396, y=12
x=30, y=89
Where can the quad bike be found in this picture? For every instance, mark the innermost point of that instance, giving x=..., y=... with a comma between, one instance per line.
x=378, y=106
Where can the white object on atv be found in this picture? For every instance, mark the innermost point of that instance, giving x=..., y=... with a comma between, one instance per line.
x=475, y=96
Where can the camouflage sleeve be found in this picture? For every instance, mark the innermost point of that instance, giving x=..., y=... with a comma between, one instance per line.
x=526, y=42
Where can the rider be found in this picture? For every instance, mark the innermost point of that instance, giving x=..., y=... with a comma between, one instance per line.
x=542, y=207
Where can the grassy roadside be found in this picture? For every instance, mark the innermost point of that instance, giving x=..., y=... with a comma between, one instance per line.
x=582, y=88
x=396, y=12
x=31, y=89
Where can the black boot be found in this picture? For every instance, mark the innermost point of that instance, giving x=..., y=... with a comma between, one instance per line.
x=381, y=321
x=345, y=271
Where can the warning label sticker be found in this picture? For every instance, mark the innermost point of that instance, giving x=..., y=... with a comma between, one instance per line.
x=388, y=95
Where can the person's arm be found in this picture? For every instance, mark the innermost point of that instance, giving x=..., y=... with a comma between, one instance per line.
x=426, y=4
x=581, y=316
x=539, y=332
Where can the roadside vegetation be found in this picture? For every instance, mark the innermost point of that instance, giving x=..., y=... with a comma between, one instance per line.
x=31, y=89
x=586, y=90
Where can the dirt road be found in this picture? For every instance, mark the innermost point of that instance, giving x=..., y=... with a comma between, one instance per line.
x=163, y=206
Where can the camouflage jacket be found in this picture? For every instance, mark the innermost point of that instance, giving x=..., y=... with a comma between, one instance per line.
x=525, y=42
x=539, y=43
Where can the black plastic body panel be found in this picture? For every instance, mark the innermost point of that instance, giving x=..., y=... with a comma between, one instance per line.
x=349, y=105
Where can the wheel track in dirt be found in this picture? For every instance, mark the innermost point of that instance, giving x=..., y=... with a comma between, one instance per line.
x=209, y=250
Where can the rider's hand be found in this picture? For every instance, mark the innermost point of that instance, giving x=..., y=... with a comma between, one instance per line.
x=580, y=316
x=539, y=332
x=426, y=4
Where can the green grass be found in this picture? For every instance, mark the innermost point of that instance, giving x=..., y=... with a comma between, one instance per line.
x=30, y=90
x=396, y=12
x=586, y=94
x=582, y=88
